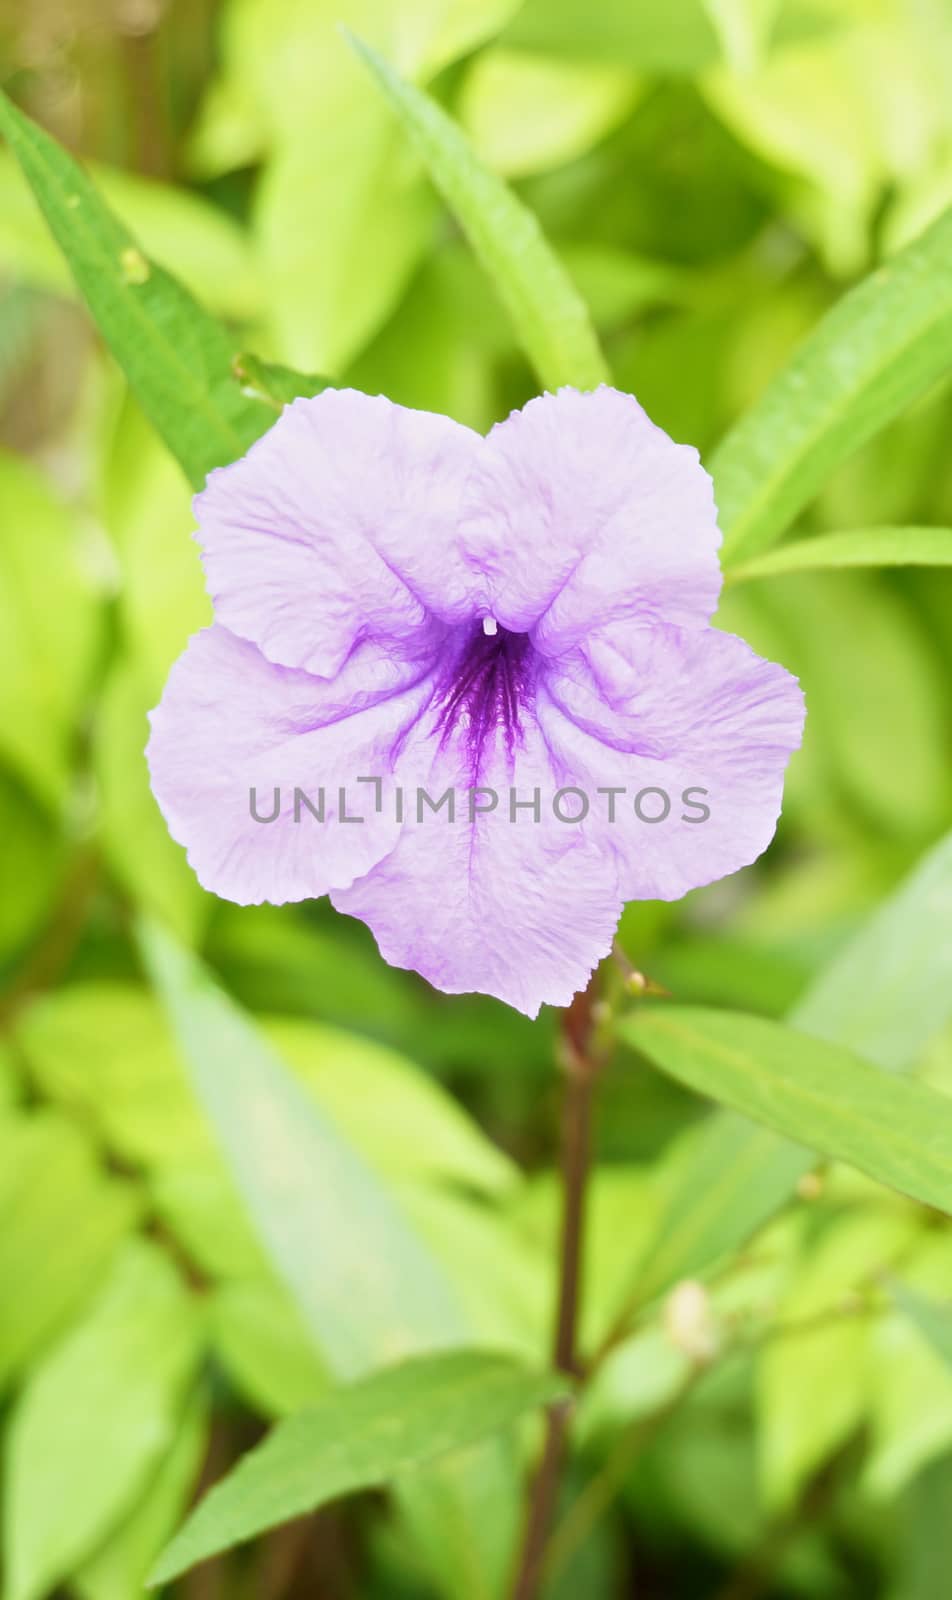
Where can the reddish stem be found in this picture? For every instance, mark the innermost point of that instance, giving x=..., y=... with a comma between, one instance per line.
x=581, y=1065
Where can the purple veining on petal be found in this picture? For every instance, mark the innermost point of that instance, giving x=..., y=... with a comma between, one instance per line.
x=486, y=689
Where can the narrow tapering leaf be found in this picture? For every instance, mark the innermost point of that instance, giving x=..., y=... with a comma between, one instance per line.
x=880, y=347
x=886, y=993
x=857, y=547
x=360, y=1437
x=894, y=1129
x=177, y=358
x=548, y=315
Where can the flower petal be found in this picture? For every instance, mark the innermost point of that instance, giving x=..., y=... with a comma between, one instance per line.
x=580, y=510
x=674, y=711
x=231, y=721
x=338, y=525
x=522, y=910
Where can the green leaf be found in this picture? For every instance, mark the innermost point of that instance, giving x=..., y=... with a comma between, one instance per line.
x=342, y=214
x=910, y=1377
x=894, y=1129
x=503, y=1280
x=909, y=1406
x=921, y=1562
x=278, y=959
x=403, y=1122
x=859, y=547
x=104, y=1049
x=277, y=386
x=744, y=28
x=343, y=217
x=525, y=113
x=50, y=621
x=837, y=135
x=56, y=1239
x=727, y=1179
x=119, y=1568
x=360, y=1437
x=824, y=1351
x=33, y=857
x=10, y=1086
x=146, y=506
x=201, y=243
x=878, y=708
x=178, y=360
x=880, y=347
x=889, y=990
x=885, y=995
x=134, y=839
x=95, y=1419
x=548, y=315
x=262, y=1343
x=654, y=35
x=199, y=1205
x=299, y=1179
x=933, y=1319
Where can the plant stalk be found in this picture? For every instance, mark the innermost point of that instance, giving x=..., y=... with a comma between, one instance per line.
x=581, y=1063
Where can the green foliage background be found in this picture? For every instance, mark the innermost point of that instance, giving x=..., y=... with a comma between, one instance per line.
x=714, y=176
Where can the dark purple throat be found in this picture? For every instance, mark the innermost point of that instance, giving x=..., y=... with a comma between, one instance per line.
x=486, y=687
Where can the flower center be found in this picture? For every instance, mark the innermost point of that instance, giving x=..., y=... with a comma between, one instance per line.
x=487, y=684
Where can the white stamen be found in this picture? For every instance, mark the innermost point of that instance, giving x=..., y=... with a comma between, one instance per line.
x=490, y=626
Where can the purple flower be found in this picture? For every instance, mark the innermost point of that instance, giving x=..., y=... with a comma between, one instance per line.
x=404, y=608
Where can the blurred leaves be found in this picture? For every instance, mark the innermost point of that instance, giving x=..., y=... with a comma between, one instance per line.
x=723, y=1181
x=932, y=1320
x=146, y=509
x=524, y=113
x=261, y=1341
x=851, y=103
x=343, y=215
x=57, y=1239
x=120, y=1567
x=886, y=993
x=659, y=36
x=867, y=671
x=32, y=857
x=49, y=632
x=294, y=1172
x=828, y=1358
x=116, y=1380
x=105, y=1051
x=136, y=843
x=548, y=315
x=369, y=1292
x=910, y=1392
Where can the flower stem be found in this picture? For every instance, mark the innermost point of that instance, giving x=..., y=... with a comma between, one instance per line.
x=581, y=1063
